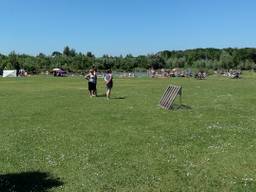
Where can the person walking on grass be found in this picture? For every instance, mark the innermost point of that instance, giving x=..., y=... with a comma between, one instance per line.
x=91, y=82
x=108, y=78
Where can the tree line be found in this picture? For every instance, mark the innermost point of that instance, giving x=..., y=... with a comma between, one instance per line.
x=72, y=61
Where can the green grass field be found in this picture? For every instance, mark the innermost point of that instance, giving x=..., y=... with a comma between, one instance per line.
x=55, y=138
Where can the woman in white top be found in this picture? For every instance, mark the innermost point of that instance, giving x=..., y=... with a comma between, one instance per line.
x=91, y=77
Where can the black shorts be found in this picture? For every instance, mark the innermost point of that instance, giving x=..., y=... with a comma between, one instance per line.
x=91, y=86
x=109, y=86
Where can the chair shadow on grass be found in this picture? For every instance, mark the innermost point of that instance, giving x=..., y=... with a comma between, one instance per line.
x=28, y=181
x=180, y=107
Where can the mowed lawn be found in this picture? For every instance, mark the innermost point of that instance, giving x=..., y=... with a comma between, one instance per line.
x=55, y=138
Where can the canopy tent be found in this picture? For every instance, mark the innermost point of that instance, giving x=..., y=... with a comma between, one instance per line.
x=56, y=69
x=58, y=72
x=9, y=73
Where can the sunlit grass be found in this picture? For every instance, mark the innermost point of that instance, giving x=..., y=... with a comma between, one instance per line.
x=129, y=143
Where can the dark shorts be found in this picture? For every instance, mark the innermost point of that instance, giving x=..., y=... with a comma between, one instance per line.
x=109, y=86
x=91, y=86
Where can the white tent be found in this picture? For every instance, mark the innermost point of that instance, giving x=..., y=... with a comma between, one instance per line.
x=56, y=69
x=9, y=73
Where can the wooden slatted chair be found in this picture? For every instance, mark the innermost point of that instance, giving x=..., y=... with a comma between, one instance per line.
x=170, y=95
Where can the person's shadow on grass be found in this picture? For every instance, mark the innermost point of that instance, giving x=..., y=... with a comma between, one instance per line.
x=104, y=95
x=117, y=97
x=28, y=181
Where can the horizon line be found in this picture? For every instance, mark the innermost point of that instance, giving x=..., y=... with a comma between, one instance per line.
x=119, y=55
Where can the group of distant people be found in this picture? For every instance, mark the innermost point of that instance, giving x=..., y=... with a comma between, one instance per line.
x=92, y=82
x=200, y=75
x=234, y=74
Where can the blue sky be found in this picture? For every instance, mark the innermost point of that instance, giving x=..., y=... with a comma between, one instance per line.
x=125, y=26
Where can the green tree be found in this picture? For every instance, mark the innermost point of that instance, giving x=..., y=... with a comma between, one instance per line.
x=13, y=60
x=226, y=60
x=89, y=54
x=56, y=54
x=69, y=52
x=156, y=62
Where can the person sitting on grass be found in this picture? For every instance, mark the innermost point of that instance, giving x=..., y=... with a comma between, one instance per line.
x=108, y=78
x=91, y=82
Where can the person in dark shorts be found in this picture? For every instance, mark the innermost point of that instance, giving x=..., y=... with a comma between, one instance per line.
x=91, y=82
x=109, y=83
x=95, y=76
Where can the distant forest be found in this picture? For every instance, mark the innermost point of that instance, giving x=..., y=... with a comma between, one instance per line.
x=72, y=61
